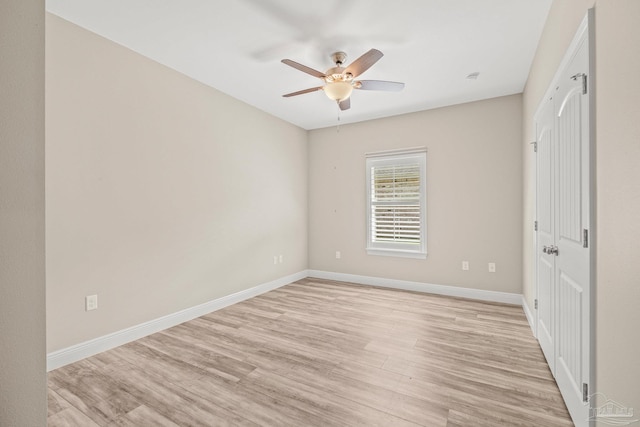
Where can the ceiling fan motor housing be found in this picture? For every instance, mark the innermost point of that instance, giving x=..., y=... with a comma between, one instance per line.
x=337, y=74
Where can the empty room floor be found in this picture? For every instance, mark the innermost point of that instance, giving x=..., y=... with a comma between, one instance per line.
x=321, y=353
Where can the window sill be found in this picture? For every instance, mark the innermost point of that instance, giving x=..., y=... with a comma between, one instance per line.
x=397, y=253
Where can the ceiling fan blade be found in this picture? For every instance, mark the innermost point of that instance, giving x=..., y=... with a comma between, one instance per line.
x=365, y=62
x=300, y=92
x=345, y=105
x=303, y=68
x=380, y=85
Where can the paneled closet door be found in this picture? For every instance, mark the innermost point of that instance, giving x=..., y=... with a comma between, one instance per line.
x=572, y=273
x=545, y=261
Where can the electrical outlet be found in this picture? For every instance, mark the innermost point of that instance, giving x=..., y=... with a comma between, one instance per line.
x=90, y=302
x=465, y=265
x=338, y=255
x=275, y=259
x=492, y=267
x=280, y=258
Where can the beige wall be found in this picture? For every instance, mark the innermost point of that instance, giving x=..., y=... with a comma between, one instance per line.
x=617, y=360
x=474, y=209
x=162, y=193
x=618, y=195
x=22, y=258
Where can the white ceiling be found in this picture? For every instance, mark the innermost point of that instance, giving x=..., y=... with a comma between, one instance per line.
x=236, y=47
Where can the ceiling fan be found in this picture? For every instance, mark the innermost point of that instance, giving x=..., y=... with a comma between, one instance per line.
x=340, y=81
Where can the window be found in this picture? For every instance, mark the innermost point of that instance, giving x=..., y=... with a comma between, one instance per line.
x=396, y=203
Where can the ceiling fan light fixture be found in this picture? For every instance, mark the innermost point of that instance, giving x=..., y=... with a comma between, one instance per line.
x=338, y=90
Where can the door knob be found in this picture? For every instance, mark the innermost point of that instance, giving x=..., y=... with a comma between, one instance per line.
x=552, y=250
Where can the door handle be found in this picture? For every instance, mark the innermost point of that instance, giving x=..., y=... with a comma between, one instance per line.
x=551, y=250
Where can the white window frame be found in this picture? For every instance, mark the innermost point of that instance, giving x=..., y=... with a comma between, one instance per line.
x=398, y=157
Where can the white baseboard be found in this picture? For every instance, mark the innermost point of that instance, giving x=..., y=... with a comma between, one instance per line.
x=530, y=317
x=80, y=351
x=453, y=291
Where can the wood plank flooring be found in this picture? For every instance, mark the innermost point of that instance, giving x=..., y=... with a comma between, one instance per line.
x=321, y=353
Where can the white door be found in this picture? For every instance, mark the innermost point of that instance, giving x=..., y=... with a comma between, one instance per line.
x=572, y=269
x=563, y=250
x=545, y=262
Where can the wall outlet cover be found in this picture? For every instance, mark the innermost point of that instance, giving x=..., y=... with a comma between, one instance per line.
x=91, y=302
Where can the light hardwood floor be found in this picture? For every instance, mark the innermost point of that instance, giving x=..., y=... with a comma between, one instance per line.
x=321, y=353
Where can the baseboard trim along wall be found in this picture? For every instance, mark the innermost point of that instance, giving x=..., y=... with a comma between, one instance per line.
x=530, y=317
x=89, y=348
x=452, y=291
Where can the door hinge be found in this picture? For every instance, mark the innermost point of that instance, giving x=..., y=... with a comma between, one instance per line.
x=583, y=76
x=585, y=238
x=585, y=392
x=535, y=146
x=535, y=225
x=535, y=303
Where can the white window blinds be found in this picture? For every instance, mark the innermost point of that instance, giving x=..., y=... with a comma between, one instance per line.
x=396, y=203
